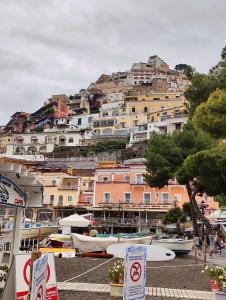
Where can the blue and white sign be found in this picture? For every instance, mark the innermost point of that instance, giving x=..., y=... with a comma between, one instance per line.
x=39, y=278
x=10, y=193
x=135, y=272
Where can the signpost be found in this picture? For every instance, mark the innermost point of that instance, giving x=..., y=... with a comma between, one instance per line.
x=135, y=272
x=39, y=278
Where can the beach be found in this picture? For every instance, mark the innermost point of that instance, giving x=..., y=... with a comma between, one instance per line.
x=180, y=273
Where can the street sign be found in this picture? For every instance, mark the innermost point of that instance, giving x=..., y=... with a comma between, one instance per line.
x=10, y=193
x=39, y=278
x=135, y=272
x=22, y=277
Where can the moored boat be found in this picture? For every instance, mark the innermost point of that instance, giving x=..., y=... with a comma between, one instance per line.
x=93, y=244
x=177, y=245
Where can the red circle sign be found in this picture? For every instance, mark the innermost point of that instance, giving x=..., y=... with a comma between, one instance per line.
x=40, y=293
x=135, y=271
x=25, y=270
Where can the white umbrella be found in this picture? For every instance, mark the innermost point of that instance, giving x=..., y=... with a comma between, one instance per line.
x=75, y=221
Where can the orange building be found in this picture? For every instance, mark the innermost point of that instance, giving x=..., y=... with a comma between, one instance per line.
x=122, y=195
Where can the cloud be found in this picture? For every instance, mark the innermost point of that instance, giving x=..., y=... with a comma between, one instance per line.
x=54, y=46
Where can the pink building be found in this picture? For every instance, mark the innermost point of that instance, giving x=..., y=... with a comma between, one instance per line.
x=121, y=193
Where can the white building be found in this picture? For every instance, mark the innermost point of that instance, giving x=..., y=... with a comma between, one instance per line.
x=83, y=121
x=42, y=142
x=168, y=125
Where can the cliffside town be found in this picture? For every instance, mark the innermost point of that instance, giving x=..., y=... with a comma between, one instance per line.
x=86, y=148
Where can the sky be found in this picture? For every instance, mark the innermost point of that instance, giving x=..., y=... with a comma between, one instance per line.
x=60, y=46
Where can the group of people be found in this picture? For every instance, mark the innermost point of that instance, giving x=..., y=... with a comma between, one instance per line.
x=214, y=242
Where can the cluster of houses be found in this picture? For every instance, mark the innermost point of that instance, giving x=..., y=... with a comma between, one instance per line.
x=125, y=106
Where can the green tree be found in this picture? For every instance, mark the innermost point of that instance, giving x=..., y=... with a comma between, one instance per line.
x=165, y=158
x=187, y=69
x=202, y=85
x=211, y=115
x=221, y=199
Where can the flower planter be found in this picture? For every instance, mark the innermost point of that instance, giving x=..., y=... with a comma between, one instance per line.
x=116, y=289
x=219, y=296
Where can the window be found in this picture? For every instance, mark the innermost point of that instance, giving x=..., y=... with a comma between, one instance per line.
x=79, y=121
x=105, y=178
x=147, y=198
x=70, y=140
x=107, y=197
x=156, y=98
x=145, y=109
x=89, y=199
x=68, y=184
x=90, y=119
x=54, y=183
x=165, y=197
x=51, y=199
x=127, y=178
x=133, y=109
x=157, y=195
x=60, y=200
x=127, y=197
x=69, y=199
x=139, y=179
x=177, y=197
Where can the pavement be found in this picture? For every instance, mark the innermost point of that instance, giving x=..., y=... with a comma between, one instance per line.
x=216, y=259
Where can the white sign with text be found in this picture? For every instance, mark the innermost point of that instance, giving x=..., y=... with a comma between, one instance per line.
x=39, y=278
x=135, y=273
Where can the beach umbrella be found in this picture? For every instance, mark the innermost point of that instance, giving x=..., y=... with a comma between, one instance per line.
x=75, y=221
x=154, y=253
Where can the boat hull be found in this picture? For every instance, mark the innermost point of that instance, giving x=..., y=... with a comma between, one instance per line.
x=94, y=244
x=178, y=246
x=30, y=233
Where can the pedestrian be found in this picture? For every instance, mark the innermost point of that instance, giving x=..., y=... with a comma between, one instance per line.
x=198, y=245
x=212, y=240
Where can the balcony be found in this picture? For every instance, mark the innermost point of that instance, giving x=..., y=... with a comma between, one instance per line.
x=138, y=183
x=65, y=187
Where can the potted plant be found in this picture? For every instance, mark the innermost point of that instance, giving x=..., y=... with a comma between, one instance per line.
x=116, y=275
x=218, y=282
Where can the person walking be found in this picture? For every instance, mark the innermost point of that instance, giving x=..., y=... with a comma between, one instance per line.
x=212, y=240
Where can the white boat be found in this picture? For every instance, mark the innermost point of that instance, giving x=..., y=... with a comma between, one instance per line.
x=86, y=243
x=34, y=231
x=176, y=245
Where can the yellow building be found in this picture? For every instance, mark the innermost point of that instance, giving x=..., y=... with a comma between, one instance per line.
x=109, y=125
x=61, y=191
x=155, y=105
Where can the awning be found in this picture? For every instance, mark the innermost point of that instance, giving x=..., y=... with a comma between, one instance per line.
x=75, y=221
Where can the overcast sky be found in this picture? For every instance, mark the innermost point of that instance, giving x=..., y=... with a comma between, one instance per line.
x=60, y=46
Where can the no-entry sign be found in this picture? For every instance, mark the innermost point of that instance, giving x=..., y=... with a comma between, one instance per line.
x=135, y=273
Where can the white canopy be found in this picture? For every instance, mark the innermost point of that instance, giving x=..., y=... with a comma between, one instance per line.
x=75, y=221
x=218, y=214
